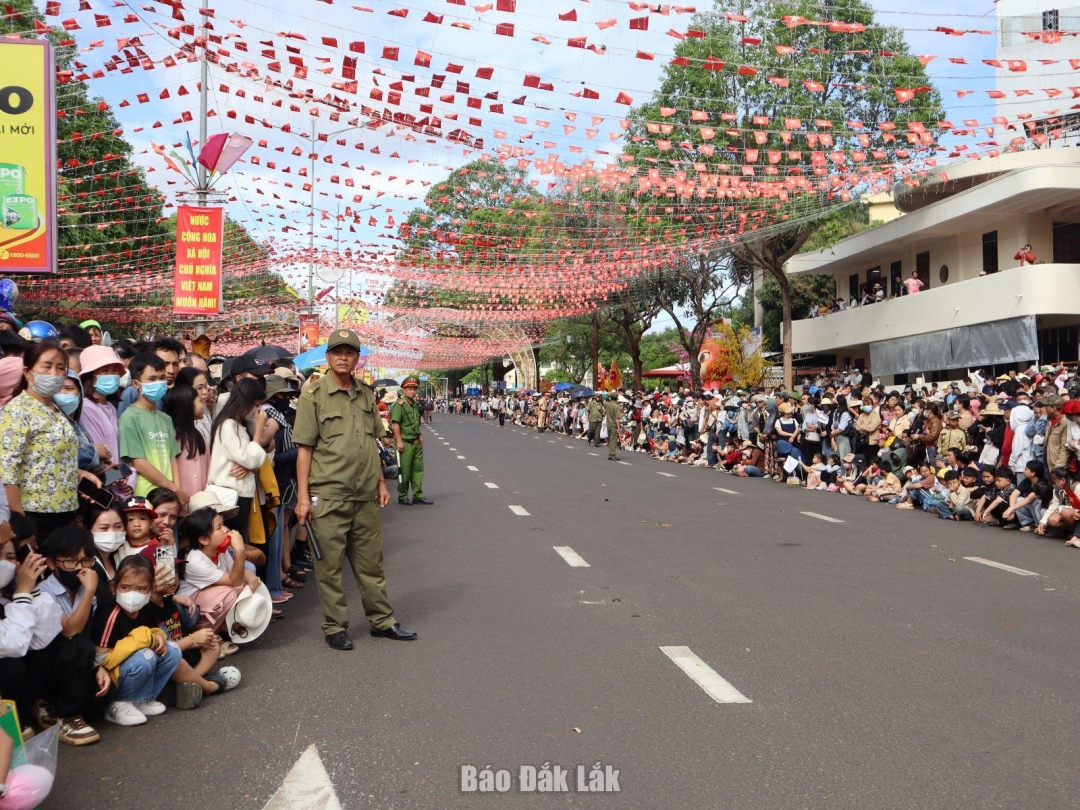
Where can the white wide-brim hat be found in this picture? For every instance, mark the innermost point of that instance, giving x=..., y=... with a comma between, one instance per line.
x=250, y=615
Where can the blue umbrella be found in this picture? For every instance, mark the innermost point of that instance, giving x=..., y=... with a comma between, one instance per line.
x=313, y=358
x=582, y=392
x=563, y=386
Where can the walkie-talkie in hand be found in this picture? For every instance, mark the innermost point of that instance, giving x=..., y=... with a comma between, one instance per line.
x=313, y=541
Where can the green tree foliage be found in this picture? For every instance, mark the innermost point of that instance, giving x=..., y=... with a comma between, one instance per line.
x=569, y=343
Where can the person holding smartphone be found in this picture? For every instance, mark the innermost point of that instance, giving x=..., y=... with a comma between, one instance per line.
x=102, y=370
x=39, y=457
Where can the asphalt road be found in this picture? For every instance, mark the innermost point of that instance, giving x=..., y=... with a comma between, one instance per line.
x=882, y=668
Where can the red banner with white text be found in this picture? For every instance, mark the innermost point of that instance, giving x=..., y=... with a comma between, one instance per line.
x=197, y=285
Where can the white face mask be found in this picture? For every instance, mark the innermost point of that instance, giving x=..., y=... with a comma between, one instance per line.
x=7, y=572
x=108, y=542
x=132, y=601
x=125, y=380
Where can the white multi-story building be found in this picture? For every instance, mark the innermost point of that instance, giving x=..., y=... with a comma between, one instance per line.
x=978, y=308
x=1036, y=40
x=959, y=233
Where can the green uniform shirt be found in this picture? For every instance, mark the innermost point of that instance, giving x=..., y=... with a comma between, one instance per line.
x=341, y=428
x=613, y=412
x=595, y=411
x=408, y=416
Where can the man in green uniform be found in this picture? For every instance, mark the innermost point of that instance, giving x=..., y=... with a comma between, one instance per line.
x=612, y=413
x=340, y=488
x=405, y=420
x=595, y=413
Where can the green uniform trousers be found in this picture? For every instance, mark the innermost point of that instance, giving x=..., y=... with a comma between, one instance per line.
x=612, y=442
x=350, y=530
x=412, y=472
x=594, y=433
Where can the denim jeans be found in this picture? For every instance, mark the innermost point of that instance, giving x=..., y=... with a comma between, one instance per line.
x=945, y=510
x=273, y=555
x=753, y=472
x=1031, y=514
x=144, y=674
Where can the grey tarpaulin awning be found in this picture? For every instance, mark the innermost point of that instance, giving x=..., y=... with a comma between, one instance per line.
x=1012, y=340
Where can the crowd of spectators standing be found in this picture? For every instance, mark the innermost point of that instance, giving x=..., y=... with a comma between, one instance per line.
x=146, y=526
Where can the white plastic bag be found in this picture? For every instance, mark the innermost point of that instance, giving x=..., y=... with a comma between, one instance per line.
x=33, y=771
x=603, y=430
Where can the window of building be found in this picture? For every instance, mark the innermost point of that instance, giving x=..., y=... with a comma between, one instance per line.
x=896, y=278
x=1050, y=20
x=922, y=268
x=990, y=253
x=853, y=285
x=873, y=276
x=1067, y=243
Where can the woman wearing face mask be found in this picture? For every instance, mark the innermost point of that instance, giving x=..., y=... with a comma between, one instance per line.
x=231, y=444
x=70, y=401
x=867, y=425
x=30, y=622
x=102, y=371
x=39, y=457
x=107, y=526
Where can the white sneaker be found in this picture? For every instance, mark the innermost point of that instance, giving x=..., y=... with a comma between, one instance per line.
x=151, y=708
x=124, y=713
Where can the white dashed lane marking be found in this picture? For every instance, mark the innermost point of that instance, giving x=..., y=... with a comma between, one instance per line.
x=625, y=463
x=473, y=469
x=666, y=475
x=726, y=491
x=461, y=456
x=573, y=559
x=1011, y=569
x=490, y=485
x=519, y=510
x=594, y=454
x=822, y=517
x=704, y=676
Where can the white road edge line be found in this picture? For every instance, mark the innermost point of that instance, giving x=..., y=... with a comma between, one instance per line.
x=473, y=469
x=1011, y=569
x=667, y=475
x=490, y=485
x=519, y=510
x=573, y=559
x=726, y=491
x=821, y=517
x=704, y=676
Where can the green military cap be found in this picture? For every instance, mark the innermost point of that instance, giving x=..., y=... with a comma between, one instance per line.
x=343, y=337
x=411, y=380
x=278, y=385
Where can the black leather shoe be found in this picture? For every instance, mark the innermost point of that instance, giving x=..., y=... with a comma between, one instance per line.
x=612, y=458
x=424, y=501
x=404, y=503
x=394, y=631
x=339, y=640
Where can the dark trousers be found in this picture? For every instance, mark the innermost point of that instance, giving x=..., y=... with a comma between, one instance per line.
x=67, y=670
x=240, y=522
x=45, y=523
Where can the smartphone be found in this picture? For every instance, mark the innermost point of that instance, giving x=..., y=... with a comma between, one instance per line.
x=120, y=472
x=96, y=495
x=166, y=555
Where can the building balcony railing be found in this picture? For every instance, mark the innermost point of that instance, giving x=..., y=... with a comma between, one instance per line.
x=1041, y=289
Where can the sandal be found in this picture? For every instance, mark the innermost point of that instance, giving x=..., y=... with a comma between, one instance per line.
x=298, y=573
x=289, y=582
x=228, y=648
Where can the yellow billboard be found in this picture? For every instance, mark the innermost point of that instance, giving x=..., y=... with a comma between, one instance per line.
x=27, y=157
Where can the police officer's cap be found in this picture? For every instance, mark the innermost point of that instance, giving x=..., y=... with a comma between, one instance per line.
x=343, y=337
x=411, y=380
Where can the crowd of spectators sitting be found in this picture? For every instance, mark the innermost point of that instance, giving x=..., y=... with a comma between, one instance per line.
x=1000, y=452
x=146, y=526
